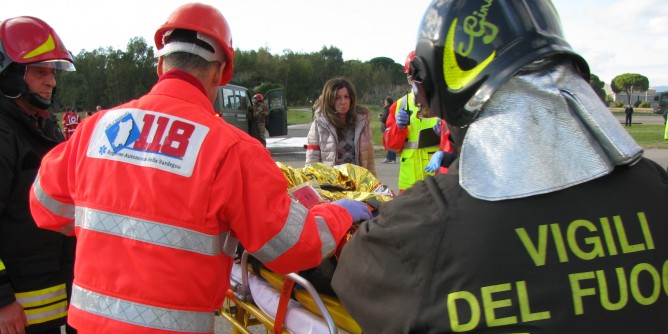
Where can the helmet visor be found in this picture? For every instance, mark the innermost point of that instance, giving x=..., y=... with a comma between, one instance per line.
x=57, y=64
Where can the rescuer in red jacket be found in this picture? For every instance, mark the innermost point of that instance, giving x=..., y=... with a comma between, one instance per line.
x=70, y=122
x=159, y=191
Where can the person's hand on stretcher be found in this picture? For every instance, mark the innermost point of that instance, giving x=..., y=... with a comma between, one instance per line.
x=358, y=210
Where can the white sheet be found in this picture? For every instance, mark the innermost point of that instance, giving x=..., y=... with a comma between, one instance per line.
x=298, y=319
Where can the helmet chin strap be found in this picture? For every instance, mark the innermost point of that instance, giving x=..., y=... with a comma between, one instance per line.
x=39, y=101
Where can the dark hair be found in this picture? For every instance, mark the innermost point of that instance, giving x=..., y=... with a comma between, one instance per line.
x=328, y=97
x=389, y=100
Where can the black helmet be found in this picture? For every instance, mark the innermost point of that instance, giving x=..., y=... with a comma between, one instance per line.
x=467, y=48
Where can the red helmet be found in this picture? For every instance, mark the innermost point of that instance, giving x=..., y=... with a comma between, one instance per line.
x=258, y=97
x=409, y=58
x=28, y=40
x=206, y=20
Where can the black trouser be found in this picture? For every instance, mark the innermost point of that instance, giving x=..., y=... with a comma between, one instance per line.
x=627, y=122
x=68, y=330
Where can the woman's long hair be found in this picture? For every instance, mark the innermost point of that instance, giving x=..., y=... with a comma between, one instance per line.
x=328, y=98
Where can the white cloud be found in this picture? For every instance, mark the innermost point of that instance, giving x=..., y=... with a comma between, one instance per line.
x=614, y=36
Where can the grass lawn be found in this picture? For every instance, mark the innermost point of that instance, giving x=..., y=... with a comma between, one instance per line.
x=647, y=135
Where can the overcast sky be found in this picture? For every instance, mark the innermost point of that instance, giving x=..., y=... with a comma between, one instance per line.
x=614, y=36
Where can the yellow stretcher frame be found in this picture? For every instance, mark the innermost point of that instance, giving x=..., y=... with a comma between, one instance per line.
x=241, y=312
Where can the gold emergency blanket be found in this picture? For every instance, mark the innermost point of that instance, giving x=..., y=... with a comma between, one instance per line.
x=341, y=181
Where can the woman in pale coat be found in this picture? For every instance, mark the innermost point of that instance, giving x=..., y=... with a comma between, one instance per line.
x=341, y=130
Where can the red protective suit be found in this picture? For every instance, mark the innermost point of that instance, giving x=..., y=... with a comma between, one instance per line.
x=162, y=189
x=70, y=123
x=445, y=145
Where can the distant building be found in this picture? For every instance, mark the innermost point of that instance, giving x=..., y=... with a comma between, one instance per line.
x=636, y=96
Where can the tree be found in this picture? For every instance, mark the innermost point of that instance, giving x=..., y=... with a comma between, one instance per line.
x=597, y=85
x=382, y=62
x=109, y=77
x=629, y=83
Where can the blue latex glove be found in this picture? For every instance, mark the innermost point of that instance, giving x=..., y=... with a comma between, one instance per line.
x=435, y=162
x=360, y=211
x=437, y=127
x=402, y=119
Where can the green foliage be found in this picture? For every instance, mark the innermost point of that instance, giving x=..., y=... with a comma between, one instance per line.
x=644, y=104
x=109, y=77
x=262, y=89
x=597, y=85
x=629, y=83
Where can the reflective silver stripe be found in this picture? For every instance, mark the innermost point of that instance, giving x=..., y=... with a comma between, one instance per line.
x=328, y=243
x=230, y=244
x=414, y=146
x=287, y=237
x=41, y=297
x=410, y=145
x=46, y=313
x=53, y=205
x=141, y=314
x=150, y=232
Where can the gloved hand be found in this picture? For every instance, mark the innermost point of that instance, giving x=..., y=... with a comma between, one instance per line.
x=435, y=162
x=402, y=119
x=437, y=127
x=357, y=209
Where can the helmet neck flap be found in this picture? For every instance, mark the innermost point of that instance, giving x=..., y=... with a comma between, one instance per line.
x=540, y=132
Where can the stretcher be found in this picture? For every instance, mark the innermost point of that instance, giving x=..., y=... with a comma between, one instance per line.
x=263, y=298
x=273, y=301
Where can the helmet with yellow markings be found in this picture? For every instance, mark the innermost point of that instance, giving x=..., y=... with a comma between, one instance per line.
x=467, y=49
x=28, y=40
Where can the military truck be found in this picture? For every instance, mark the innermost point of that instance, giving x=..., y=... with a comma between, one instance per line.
x=660, y=104
x=233, y=104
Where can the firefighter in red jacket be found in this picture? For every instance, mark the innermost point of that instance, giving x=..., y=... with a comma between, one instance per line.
x=159, y=192
x=35, y=264
x=550, y=221
x=70, y=122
